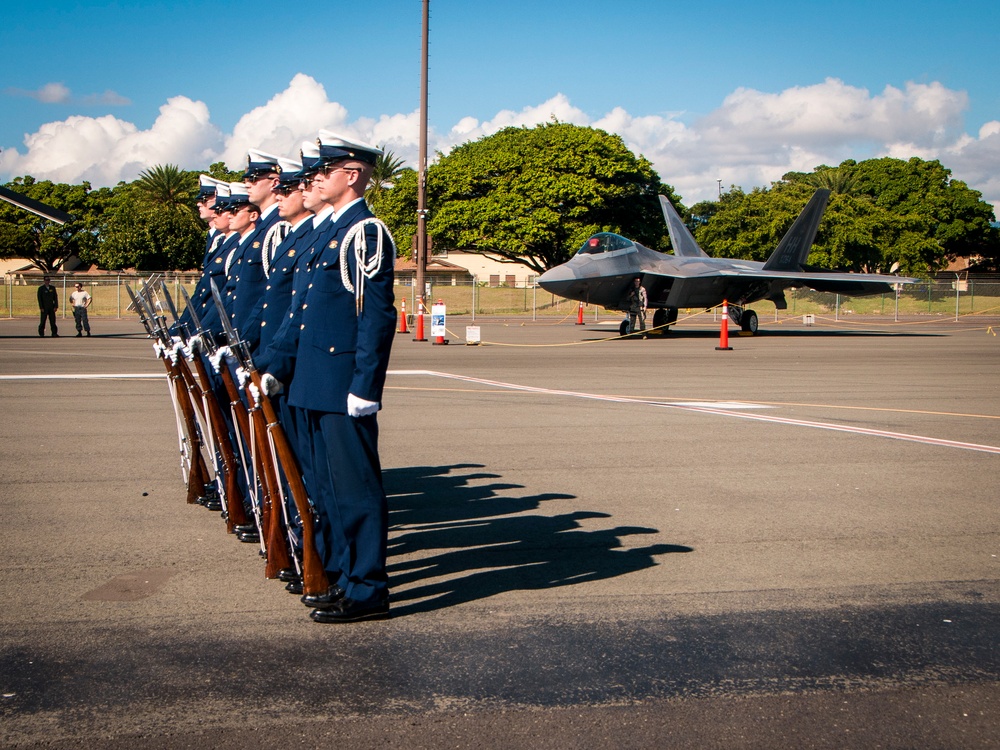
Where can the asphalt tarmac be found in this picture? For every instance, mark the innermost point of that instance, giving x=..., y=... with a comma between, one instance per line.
x=595, y=543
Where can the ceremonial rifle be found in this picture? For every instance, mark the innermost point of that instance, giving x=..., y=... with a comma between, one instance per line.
x=272, y=535
x=197, y=472
x=233, y=497
x=314, y=579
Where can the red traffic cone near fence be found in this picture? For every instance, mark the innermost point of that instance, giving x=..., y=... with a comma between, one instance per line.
x=402, y=319
x=724, y=331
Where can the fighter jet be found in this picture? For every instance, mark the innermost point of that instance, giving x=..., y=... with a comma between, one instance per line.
x=603, y=269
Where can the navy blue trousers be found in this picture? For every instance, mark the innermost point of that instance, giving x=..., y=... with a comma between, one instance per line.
x=346, y=487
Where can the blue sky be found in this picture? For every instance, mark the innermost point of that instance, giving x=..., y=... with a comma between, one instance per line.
x=727, y=90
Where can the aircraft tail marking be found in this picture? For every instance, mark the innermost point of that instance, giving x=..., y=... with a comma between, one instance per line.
x=793, y=250
x=684, y=243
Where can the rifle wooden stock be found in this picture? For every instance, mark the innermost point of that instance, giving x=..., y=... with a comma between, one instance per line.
x=276, y=542
x=235, y=515
x=198, y=475
x=314, y=579
x=205, y=475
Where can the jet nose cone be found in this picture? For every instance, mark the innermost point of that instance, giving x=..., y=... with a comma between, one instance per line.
x=555, y=277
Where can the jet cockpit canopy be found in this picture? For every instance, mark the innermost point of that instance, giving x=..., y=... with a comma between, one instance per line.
x=605, y=242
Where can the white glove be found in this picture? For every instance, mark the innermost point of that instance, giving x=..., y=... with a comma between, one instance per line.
x=216, y=359
x=358, y=407
x=242, y=376
x=270, y=384
x=194, y=345
x=174, y=352
x=158, y=349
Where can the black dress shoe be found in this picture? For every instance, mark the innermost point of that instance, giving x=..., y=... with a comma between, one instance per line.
x=348, y=610
x=249, y=537
x=245, y=528
x=214, y=504
x=287, y=574
x=294, y=587
x=324, y=601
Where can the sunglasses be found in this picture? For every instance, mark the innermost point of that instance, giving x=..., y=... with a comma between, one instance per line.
x=258, y=177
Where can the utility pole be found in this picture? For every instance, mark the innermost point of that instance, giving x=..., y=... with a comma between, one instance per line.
x=421, y=258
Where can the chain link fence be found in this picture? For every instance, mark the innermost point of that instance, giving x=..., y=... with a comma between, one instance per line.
x=939, y=297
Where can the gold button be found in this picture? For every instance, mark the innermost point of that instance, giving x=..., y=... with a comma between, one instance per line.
x=302, y=327
x=331, y=350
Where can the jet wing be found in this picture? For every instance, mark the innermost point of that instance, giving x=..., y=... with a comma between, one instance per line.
x=832, y=281
x=35, y=207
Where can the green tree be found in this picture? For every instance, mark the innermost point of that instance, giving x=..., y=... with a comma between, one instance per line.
x=169, y=187
x=915, y=214
x=45, y=243
x=387, y=170
x=534, y=195
x=220, y=171
x=397, y=207
x=137, y=231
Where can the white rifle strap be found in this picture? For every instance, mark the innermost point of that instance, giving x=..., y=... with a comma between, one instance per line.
x=366, y=264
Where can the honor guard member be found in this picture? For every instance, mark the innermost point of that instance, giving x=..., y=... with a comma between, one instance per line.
x=282, y=250
x=242, y=215
x=206, y=203
x=345, y=328
x=206, y=198
x=247, y=276
x=215, y=262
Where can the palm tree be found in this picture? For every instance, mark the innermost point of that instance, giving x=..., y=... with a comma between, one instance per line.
x=168, y=186
x=836, y=180
x=387, y=169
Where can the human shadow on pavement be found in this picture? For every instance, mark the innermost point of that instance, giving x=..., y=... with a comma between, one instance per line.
x=484, y=543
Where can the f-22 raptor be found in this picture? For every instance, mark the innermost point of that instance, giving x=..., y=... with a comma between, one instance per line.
x=603, y=269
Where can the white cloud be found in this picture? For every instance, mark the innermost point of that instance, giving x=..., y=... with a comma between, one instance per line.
x=752, y=139
x=50, y=93
x=58, y=93
x=104, y=150
x=280, y=126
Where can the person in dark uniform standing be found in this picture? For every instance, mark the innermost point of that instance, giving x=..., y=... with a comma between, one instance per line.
x=247, y=277
x=48, y=303
x=334, y=353
x=637, y=301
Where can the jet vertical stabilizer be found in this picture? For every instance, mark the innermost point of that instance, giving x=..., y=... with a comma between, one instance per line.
x=793, y=250
x=684, y=243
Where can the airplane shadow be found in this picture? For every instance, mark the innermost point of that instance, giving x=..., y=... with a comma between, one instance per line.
x=485, y=543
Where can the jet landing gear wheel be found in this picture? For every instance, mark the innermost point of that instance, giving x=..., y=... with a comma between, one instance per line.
x=623, y=328
x=748, y=322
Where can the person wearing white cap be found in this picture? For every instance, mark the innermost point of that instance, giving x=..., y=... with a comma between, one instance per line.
x=247, y=277
x=333, y=352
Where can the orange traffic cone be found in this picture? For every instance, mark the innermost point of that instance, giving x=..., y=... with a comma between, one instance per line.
x=402, y=319
x=420, y=320
x=724, y=331
x=579, y=315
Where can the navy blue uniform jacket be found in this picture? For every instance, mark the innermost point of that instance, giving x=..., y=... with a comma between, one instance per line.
x=337, y=350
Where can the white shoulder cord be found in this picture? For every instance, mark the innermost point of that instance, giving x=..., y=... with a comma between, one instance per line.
x=364, y=267
x=274, y=237
x=229, y=258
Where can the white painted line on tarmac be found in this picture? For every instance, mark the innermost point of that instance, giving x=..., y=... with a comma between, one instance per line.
x=715, y=408
x=94, y=376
